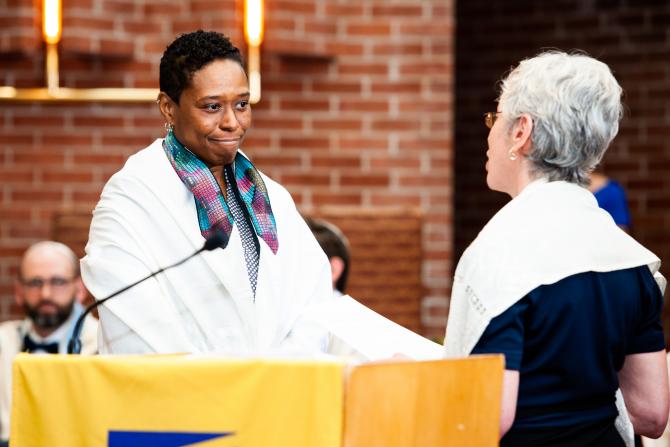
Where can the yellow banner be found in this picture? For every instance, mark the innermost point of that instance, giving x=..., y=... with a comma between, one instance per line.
x=166, y=401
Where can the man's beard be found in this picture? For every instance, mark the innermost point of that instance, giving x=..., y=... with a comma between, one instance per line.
x=49, y=320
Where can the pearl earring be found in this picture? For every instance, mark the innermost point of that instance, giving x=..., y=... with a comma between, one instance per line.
x=512, y=155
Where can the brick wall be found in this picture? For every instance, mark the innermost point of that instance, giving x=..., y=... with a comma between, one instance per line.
x=356, y=111
x=631, y=37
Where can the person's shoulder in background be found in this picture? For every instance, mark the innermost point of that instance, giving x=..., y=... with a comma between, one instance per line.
x=611, y=197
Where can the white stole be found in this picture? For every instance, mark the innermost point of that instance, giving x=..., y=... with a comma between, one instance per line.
x=550, y=231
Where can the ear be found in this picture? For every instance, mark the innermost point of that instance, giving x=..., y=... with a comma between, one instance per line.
x=19, y=293
x=336, y=268
x=167, y=107
x=79, y=291
x=521, y=133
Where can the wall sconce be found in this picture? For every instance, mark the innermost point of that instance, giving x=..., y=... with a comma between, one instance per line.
x=253, y=34
x=51, y=32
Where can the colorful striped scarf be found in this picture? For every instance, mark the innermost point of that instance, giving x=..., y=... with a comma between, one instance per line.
x=213, y=211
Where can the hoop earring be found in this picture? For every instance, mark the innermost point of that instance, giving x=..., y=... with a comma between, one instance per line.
x=168, y=126
x=512, y=155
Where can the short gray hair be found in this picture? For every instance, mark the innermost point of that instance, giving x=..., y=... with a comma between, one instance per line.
x=575, y=103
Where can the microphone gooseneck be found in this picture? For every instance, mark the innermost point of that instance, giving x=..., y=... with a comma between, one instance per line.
x=214, y=241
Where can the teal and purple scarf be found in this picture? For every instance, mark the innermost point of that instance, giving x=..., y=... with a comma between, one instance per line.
x=213, y=211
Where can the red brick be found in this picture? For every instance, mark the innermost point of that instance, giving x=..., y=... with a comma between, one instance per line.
x=337, y=124
x=16, y=139
x=86, y=197
x=434, y=27
x=425, y=106
x=367, y=69
x=396, y=125
x=38, y=157
x=442, y=10
x=363, y=144
x=88, y=158
x=16, y=175
x=28, y=230
x=16, y=213
x=69, y=140
x=12, y=252
x=399, y=11
x=275, y=22
x=295, y=46
x=285, y=124
x=206, y=6
x=410, y=87
x=306, y=179
x=282, y=85
x=305, y=104
x=277, y=160
x=140, y=121
x=406, y=161
x=336, y=162
x=316, y=27
x=67, y=176
x=336, y=87
x=33, y=195
x=425, y=143
x=426, y=68
x=395, y=200
x=359, y=105
x=80, y=4
x=131, y=141
x=387, y=49
x=344, y=48
x=88, y=23
x=97, y=121
x=369, y=29
x=295, y=6
x=343, y=10
x=304, y=143
x=321, y=199
x=364, y=180
x=424, y=181
x=42, y=121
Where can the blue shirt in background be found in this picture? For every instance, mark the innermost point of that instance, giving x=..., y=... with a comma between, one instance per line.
x=612, y=199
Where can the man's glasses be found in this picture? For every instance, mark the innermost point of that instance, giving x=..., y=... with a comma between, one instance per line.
x=490, y=118
x=56, y=283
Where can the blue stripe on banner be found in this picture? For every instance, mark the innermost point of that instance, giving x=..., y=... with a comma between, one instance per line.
x=159, y=438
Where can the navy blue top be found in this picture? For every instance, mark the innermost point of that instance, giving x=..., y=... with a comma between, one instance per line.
x=612, y=199
x=569, y=339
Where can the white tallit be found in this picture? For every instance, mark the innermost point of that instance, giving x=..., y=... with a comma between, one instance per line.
x=146, y=219
x=550, y=231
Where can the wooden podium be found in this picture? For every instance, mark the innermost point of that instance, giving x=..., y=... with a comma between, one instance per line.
x=165, y=401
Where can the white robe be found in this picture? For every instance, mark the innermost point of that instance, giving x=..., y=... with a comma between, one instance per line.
x=550, y=231
x=11, y=343
x=146, y=219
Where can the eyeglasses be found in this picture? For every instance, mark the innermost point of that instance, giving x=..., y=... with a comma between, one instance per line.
x=490, y=118
x=56, y=283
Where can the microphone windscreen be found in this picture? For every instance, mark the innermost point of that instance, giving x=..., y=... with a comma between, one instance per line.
x=218, y=238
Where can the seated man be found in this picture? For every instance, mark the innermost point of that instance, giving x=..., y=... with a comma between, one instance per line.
x=336, y=247
x=50, y=291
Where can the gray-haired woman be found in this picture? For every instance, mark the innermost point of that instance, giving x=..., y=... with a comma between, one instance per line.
x=551, y=281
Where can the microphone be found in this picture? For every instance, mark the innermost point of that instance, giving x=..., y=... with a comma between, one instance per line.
x=217, y=239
